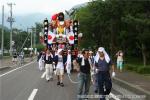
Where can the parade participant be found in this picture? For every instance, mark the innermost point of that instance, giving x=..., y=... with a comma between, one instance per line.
x=64, y=59
x=84, y=76
x=55, y=54
x=48, y=65
x=91, y=56
x=15, y=58
x=93, y=72
x=59, y=67
x=31, y=55
x=21, y=57
x=102, y=63
x=119, y=60
x=68, y=62
x=80, y=54
x=38, y=58
x=41, y=61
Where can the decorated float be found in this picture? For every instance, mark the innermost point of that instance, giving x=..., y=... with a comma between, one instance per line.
x=60, y=32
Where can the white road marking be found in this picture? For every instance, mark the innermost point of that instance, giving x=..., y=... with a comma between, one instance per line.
x=43, y=75
x=16, y=69
x=31, y=97
x=113, y=96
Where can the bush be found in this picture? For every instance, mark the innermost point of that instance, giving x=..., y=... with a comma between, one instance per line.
x=144, y=70
x=139, y=69
x=6, y=54
x=27, y=52
x=40, y=47
x=131, y=67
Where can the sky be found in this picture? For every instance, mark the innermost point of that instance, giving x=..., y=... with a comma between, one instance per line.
x=22, y=7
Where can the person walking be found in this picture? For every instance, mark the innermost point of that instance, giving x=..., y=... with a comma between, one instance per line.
x=93, y=72
x=48, y=65
x=119, y=55
x=14, y=58
x=41, y=61
x=84, y=76
x=59, y=67
x=68, y=62
x=21, y=57
x=31, y=55
x=102, y=64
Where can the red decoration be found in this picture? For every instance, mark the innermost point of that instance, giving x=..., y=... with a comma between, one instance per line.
x=54, y=17
x=49, y=37
x=71, y=37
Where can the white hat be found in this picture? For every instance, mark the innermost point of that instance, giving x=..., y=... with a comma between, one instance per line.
x=101, y=49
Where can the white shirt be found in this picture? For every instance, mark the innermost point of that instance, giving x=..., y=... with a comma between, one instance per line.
x=60, y=64
x=69, y=59
x=120, y=57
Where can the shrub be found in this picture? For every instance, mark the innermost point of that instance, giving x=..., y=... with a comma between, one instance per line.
x=144, y=70
x=40, y=47
x=131, y=67
x=6, y=54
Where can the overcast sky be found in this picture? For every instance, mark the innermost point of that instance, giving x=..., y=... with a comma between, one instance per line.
x=39, y=6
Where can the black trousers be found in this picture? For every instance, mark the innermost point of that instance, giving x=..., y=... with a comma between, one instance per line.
x=104, y=84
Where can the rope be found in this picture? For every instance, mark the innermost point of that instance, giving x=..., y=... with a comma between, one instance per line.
x=74, y=82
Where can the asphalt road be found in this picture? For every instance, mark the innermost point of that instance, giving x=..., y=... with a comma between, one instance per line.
x=26, y=83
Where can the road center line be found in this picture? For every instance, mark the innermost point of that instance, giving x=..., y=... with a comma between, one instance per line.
x=31, y=97
x=16, y=69
x=43, y=75
x=113, y=96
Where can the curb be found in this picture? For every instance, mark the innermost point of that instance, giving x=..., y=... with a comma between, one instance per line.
x=3, y=68
x=7, y=67
x=133, y=88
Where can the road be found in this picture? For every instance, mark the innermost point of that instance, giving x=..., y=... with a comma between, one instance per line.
x=28, y=83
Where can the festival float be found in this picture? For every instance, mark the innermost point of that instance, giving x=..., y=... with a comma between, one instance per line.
x=60, y=33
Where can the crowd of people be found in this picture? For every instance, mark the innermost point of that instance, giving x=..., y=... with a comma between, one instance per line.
x=91, y=67
x=18, y=57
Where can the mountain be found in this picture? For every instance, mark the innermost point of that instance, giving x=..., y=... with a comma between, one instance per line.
x=74, y=8
x=29, y=20
x=5, y=28
x=24, y=21
x=80, y=5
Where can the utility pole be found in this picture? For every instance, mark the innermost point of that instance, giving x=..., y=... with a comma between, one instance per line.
x=10, y=20
x=2, y=43
x=34, y=34
x=31, y=39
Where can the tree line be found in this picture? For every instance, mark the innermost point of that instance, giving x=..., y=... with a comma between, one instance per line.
x=117, y=24
x=19, y=37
